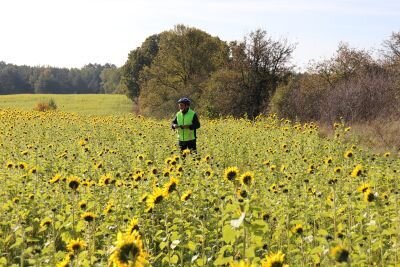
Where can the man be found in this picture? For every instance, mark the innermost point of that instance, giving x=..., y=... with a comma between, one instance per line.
x=186, y=122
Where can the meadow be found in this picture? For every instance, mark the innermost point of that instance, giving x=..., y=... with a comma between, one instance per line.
x=83, y=104
x=114, y=190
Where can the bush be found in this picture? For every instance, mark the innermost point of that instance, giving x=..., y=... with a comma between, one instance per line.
x=46, y=106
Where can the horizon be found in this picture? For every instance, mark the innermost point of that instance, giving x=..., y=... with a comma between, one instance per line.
x=72, y=34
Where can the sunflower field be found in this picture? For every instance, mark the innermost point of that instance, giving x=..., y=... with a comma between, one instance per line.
x=115, y=191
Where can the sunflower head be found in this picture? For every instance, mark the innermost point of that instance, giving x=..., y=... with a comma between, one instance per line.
x=231, y=173
x=55, y=178
x=247, y=178
x=74, y=182
x=158, y=195
x=171, y=185
x=46, y=222
x=297, y=229
x=242, y=263
x=369, y=196
x=88, y=216
x=76, y=245
x=133, y=226
x=348, y=154
x=274, y=260
x=128, y=251
x=340, y=253
x=357, y=171
x=186, y=195
x=364, y=187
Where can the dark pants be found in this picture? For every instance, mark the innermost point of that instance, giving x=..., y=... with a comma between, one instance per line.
x=188, y=144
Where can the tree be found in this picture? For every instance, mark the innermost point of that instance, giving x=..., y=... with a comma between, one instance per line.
x=110, y=80
x=392, y=47
x=263, y=64
x=138, y=59
x=184, y=62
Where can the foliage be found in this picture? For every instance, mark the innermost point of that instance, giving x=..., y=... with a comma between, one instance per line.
x=248, y=197
x=186, y=58
x=139, y=58
x=23, y=79
x=46, y=105
x=350, y=85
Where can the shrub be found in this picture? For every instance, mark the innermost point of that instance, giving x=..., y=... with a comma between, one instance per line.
x=46, y=106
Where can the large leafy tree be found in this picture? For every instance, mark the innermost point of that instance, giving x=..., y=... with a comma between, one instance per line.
x=138, y=59
x=257, y=65
x=185, y=60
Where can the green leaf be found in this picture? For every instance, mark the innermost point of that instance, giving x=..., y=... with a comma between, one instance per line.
x=191, y=246
x=163, y=245
x=223, y=261
x=228, y=234
x=17, y=243
x=3, y=261
x=174, y=259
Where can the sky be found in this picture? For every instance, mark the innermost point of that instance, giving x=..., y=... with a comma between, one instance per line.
x=73, y=33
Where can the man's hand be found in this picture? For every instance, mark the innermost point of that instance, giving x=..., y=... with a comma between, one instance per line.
x=174, y=126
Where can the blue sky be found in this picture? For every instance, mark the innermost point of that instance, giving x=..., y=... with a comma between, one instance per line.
x=77, y=32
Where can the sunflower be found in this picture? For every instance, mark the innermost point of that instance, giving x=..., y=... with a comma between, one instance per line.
x=231, y=173
x=9, y=164
x=328, y=160
x=158, y=195
x=364, y=187
x=105, y=179
x=128, y=251
x=247, y=178
x=340, y=254
x=242, y=263
x=22, y=165
x=274, y=260
x=133, y=226
x=369, y=196
x=337, y=170
x=82, y=204
x=144, y=197
x=33, y=170
x=154, y=171
x=75, y=246
x=88, y=216
x=186, y=195
x=357, y=171
x=74, y=182
x=65, y=262
x=297, y=229
x=171, y=185
x=46, y=222
x=348, y=154
x=55, y=178
x=185, y=152
x=108, y=209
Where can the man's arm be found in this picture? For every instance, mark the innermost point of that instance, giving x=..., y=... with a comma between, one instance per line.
x=174, y=123
x=195, y=123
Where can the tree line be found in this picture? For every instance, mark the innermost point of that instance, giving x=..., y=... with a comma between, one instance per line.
x=239, y=78
x=254, y=76
x=91, y=79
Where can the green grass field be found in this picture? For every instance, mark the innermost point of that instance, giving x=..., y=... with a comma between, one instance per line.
x=83, y=104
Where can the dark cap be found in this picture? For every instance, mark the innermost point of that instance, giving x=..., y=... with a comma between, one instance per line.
x=184, y=100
